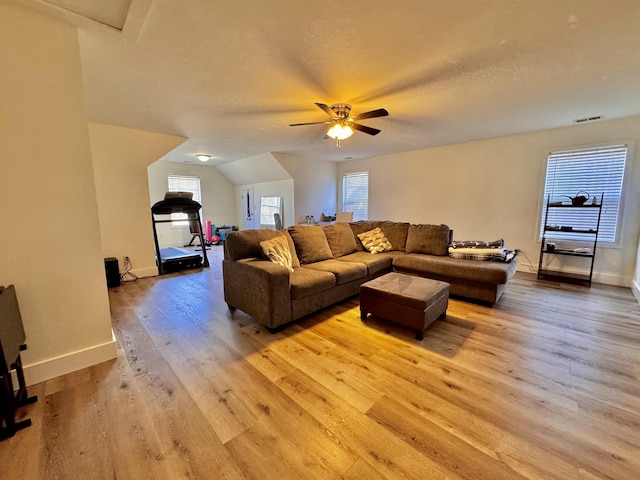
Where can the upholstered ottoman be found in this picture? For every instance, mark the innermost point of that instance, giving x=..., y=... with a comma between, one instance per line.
x=411, y=301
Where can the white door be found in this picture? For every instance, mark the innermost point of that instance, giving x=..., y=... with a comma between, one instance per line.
x=248, y=209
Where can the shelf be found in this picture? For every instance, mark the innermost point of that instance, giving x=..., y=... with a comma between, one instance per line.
x=558, y=230
x=588, y=237
x=571, y=253
x=557, y=275
x=574, y=206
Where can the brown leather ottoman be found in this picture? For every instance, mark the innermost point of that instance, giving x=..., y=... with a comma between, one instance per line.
x=411, y=301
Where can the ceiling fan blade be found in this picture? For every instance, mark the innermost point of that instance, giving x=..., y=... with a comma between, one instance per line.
x=380, y=112
x=307, y=123
x=362, y=128
x=326, y=109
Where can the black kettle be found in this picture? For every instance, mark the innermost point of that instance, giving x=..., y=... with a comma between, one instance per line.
x=578, y=199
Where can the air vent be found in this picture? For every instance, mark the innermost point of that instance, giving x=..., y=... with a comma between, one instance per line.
x=588, y=119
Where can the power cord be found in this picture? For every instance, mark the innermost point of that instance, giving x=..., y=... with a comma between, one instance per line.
x=127, y=271
x=530, y=266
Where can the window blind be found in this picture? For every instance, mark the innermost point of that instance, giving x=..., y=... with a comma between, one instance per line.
x=355, y=194
x=596, y=171
x=184, y=183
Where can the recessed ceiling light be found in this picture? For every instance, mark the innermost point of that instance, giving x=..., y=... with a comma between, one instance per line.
x=203, y=157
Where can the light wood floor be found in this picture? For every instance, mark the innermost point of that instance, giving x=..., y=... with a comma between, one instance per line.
x=543, y=385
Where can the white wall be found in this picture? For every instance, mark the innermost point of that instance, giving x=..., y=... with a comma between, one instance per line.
x=120, y=159
x=314, y=185
x=636, y=281
x=493, y=188
x=218, y=198
x=50, y=234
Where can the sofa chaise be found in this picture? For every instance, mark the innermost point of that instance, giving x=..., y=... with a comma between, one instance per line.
x=327, y=264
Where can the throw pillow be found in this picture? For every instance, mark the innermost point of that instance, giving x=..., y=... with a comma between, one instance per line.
x=374, y=241
x=277, y=250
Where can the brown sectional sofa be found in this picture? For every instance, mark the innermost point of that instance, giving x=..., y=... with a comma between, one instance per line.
x=329, y=265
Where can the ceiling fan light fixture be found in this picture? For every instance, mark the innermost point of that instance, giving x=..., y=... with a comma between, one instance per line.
x=340, y=131
x=203, y=157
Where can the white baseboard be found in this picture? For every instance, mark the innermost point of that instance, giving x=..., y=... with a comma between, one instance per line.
x=606, y=278
x=635, y=288
x=145, y=272
x=55, y=367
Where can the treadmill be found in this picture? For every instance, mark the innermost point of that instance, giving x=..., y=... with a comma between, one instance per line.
x=172, y=259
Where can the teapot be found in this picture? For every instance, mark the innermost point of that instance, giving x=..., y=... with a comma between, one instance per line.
x=578, y=199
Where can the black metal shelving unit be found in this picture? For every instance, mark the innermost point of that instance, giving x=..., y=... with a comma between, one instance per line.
x=591, y=215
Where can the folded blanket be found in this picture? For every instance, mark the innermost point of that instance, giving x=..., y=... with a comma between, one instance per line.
x=485, y=254
x=477, y=244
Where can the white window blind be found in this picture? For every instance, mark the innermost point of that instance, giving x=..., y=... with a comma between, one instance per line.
x=355, y=194
x=184, y=183
x=596, y=171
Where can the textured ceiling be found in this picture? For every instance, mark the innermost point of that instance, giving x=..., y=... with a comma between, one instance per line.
x=231, y=75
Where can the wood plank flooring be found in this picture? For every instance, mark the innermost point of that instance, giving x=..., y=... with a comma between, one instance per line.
x=545, y=385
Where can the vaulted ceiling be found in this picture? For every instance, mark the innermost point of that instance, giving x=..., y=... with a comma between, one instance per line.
x=230, y=75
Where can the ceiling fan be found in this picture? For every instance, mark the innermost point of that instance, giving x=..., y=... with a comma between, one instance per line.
x=343, y=123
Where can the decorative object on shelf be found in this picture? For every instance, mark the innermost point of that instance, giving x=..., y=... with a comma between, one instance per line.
x=578, y=199
x=555, y=204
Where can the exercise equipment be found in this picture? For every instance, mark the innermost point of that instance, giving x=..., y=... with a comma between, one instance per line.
x=175, y=258
x=12, y=342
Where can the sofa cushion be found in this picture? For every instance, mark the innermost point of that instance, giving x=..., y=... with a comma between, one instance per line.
x=340, y=238
x=277, y=250
x=439, y=266
x=311, y=243
x=360, y=226
x=396, y=233
x=345, y=272
x=374, y=263
x=246, y=244
x=305, y=282
x=428, y=239
x=374, y=241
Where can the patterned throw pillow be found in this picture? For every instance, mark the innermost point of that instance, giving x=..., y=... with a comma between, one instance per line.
x=374, y=241
x=277, y=250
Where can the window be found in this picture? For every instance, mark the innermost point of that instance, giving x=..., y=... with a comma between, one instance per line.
x=355, y=194
x=596, y=171
x=269, y=206
x=184, y=183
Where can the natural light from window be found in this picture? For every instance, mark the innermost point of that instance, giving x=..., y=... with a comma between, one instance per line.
x=355, y=194
x=591, y=172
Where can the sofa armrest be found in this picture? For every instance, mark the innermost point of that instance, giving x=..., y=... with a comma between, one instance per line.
x=259, y=288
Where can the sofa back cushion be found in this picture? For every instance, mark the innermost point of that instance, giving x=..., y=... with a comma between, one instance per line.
x=396, y=233
x=311, y=243
x=340, y=238
x=246, y=244
x=428, y=239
